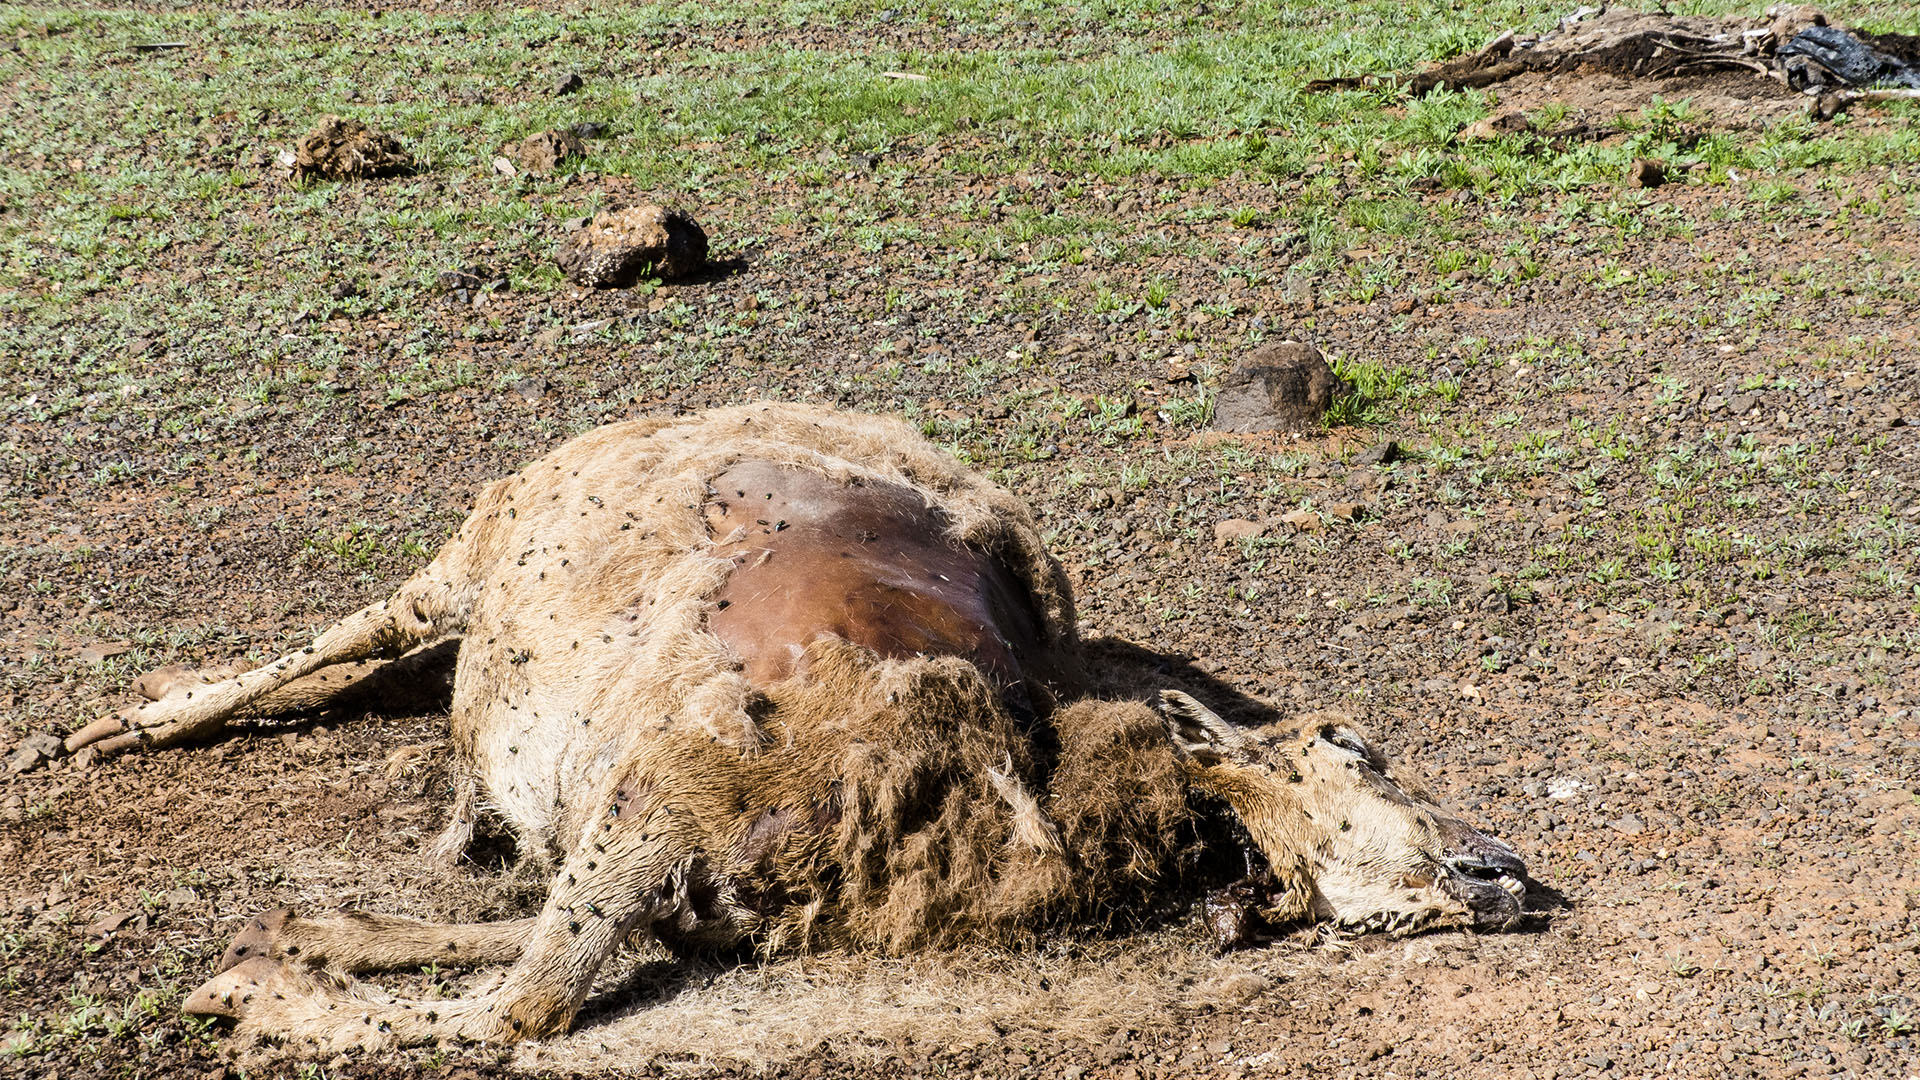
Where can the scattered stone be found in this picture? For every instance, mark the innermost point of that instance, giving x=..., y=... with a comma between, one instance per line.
x=621, y=247
x=1496, y=603
x=1380, y=453
x=104, y=650
x=567, y=84
x=454, y=280
x=1346, y=511
x=1512, y=122
x=588, y=129
x=25, y=759
x=1285, y=386
x=505, y=167
x=85, y=758
x=1303, y=520
x=546, y=152
x=48, y=744
x=1233, y=530
x=180, y=897
x=108, y=923
x=1646, y=173
x=339, y=148
x=1470, y=692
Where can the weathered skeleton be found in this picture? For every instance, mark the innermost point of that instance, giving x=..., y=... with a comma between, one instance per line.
x=787, y=675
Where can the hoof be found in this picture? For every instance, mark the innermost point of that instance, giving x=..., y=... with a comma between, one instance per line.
x=256, y=941
x=231, y=993
x=108, y=728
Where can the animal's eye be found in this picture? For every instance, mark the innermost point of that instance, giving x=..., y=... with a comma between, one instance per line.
x=1346, y=740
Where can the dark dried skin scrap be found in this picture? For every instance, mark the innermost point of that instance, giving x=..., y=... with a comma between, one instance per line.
x=1240, y=915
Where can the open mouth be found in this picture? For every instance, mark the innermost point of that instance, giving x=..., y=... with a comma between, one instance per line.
x=1493, y=885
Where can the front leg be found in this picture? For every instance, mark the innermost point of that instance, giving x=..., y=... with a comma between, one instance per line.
x=627, y=873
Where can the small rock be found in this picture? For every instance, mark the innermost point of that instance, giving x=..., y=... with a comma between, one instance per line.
x=180, y=897
x=339, y=148
x=1303, y=520
x=108, y=923
x=1346, y=511
x=1514, y=122
x=1284, y=386
x=106, y=650
x=25, y=759
x=505, y=167
x=1646, y=173
x=85, y=758
x=531, y=389
x=468, y=279
x=1380, y=453
x=49, y=745
x=567, y=84
x=1632, y=826
x=1233, y=530
x=620, y=247
x=545, y=152
x=588, y=129
x=1470, y=692
x=1496, y=603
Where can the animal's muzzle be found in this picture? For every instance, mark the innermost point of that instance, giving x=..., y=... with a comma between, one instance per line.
x=1487, y=876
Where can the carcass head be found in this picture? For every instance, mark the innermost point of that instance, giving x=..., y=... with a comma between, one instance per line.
x=1349, y=838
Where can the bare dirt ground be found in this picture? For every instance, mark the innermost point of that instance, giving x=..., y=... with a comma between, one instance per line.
x=1637, y=590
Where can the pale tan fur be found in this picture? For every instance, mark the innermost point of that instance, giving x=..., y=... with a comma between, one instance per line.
x=868, y=803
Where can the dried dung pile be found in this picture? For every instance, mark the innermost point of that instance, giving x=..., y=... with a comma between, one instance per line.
x=341, y=148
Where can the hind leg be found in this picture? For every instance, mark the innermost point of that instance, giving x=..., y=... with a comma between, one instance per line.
x=628, y=872
x=192, y=710
x=352, y=941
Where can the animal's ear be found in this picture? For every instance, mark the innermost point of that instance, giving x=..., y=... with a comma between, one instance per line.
x=1199, y=733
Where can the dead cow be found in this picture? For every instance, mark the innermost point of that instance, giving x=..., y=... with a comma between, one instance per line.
x=794, y=676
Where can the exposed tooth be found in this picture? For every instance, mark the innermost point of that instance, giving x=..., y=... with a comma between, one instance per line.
x=1514, y=885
